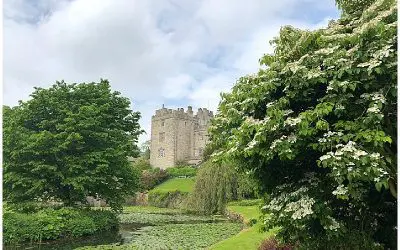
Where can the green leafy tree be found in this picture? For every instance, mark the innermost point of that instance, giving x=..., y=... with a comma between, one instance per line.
x=317, y=125
x=68, y=142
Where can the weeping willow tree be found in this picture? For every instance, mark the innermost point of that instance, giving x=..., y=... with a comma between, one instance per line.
x=218, y=183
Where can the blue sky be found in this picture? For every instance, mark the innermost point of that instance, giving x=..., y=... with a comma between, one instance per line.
x=175, y=52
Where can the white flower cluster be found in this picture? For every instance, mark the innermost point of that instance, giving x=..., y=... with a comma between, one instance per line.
x=217, y=154
x=382, y=173
x=291, y=139
x=333, y=225
x=340, y=107
x=275, y=143
x=340, y=190
x=345, y=150
x=378, y=97
x=384, y=52
x=374, y=109
x=374, y=22
x=328, y=135
x=232, y=150
x=293, y=67
x=314, y=74
x=375, y=97
x=251, y=120
x=270, y=104
x=350, y=147
x=251, y=144
x=376, y=156
x=326, y=51
x=292, y=121
x=287, y=112
x=336, y=83
x=301, y=208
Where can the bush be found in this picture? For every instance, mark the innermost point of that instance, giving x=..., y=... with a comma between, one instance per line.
x=186, y=171
x=51, y=224
x=171, y=199
x=273, y=244
x=29, y=207
x=142, y=163
x=152, y=177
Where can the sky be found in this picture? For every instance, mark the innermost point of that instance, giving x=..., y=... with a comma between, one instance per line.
x=172, y=52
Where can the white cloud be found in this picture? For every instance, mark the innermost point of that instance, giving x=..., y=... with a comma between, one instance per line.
x=177, y=87
x=154, y=52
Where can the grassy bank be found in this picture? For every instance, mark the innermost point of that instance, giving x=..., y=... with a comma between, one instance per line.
x=184, y=185
x=250, y=237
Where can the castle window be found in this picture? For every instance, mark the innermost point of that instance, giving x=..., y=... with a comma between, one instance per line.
x=185, y=124
x=162, y=123
x=161, y=152
x=162, y=137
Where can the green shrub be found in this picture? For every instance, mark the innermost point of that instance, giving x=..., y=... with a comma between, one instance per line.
x=142, y=163
x=152, y=177
x=51, y=224
x=186, y=171
x=171, y=199
x=29, y=207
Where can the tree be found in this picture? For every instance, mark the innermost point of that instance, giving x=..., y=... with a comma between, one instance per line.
x=217, y=184
x=145, y=149
x=68, y=142
x=317, y=125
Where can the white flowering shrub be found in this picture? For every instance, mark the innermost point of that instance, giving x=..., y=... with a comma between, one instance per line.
x=325, y=102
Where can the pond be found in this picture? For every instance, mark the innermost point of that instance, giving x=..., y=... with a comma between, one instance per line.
x=151, y=230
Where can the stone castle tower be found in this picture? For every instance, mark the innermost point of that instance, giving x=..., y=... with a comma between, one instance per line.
x=177, y=135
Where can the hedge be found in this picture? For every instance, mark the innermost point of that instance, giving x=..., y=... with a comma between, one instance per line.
x=182, y=171
x=51, y=224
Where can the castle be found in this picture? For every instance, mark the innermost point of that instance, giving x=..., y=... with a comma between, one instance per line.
x=177, y=135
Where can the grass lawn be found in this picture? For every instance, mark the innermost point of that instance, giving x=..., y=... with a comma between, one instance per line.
x=176, y=184
x=249, y=238
x=248, y=212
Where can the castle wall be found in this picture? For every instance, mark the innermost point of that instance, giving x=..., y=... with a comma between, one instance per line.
x=179, y=135
x=163, y=139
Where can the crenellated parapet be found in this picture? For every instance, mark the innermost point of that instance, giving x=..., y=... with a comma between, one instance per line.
x=202, y=113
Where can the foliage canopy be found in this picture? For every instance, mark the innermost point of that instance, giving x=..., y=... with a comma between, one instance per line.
x=68, y=142
x=317, y=125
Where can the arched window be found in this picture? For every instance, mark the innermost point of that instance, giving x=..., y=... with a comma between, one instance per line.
x=161, y=152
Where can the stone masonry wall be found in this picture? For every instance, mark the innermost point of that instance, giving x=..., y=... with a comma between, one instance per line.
x=177, y=135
